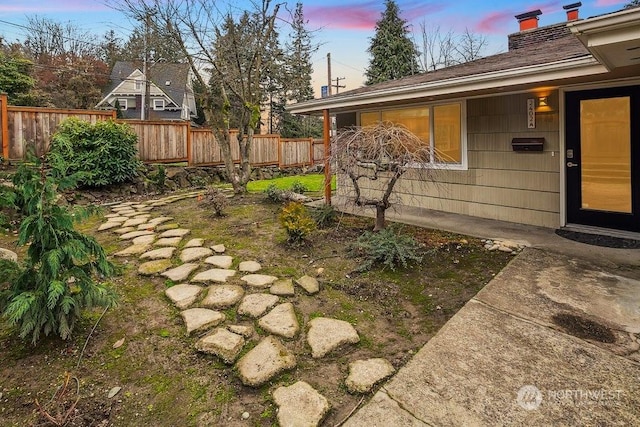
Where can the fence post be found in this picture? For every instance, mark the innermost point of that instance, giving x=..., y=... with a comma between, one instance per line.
x=4, y=125
x=189, y=160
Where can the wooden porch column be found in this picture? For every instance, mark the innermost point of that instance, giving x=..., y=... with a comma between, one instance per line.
x=327, y=154
x=4, y=126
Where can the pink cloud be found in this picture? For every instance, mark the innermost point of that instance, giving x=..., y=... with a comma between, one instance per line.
x=36, y=6
x=496, y=22
x=364, y=16
x=605, y=3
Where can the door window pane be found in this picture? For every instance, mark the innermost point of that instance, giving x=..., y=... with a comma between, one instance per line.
x=605, y=144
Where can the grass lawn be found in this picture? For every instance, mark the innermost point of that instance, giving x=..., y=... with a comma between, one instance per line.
x=314, y=183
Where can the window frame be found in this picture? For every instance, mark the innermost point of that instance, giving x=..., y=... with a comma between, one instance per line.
x=155, y=105
x=124, y=103
x=138, y=84
x=463, y=164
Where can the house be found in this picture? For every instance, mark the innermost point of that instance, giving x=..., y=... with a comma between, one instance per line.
x=546, y=134
x=170, y=94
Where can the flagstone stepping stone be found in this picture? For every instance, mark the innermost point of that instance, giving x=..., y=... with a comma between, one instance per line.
x=283, y=287
x=162, y=253
x=249, y=266
x=192, y=254
x=109, y=225
x=309, y=284
x=300, y=405
x=168, y=241
x=177, y=232
x=150, y=268
x=219, y=249
x=219, y=275
x=148, y=239
x=245, y=331
x=364, y=374
x=159, y=220
x=222, y=261
x=119, y=218
x=134, y=234
x=165, y=227
x=325, y=335
x=258, y=280
x=281, y=321
x=146, y=226
x=255, y=305
x=183, y=295
x=194, y=243
x=133, y=222
x=264, y=361
x=124, y=230
x=145, y=209
x=223, y=296
x=197, y=319
x=134, y=250
x=144, y=216
x=180, y=273
x=111, y=215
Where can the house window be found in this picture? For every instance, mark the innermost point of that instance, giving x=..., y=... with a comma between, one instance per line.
x=440, y=126
x=138, y=84
x=123, y=103
x=158, y=104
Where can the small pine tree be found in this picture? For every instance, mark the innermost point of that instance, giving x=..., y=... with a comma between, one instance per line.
x=393, y=53
x=57, y=281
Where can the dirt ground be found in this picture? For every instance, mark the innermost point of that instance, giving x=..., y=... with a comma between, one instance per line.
x=165, y=382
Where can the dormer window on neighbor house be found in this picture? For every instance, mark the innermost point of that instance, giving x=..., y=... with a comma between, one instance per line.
x=138, y=84
x=158, y=104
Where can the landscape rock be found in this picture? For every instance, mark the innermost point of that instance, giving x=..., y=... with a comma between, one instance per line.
x=197, y=319
x=162, y=253
x=222, y=343
x=183, y=295
x=255, y=305
x=181, y=272
x=265, y=361
x=219, y=275
x=176, y=232
x=192, y=254
x=133, y=250
x=258, y=280
x=300, y=405
x=249, y=266
x=281, y=321
x=8, y=255
x=154, y=267
x=168, y=241
x=194, y=243
x=325, y=335
x=283, y=287
x=309, y=284
x=222, y=296
x=219, y=249
x=364, y=374
x=221, y=261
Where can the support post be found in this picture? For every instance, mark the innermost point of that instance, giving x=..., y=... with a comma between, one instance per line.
x=327, y=154
x=4, y=125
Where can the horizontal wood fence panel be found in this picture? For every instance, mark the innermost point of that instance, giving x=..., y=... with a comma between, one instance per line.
x=161, y=141
x=31, y=126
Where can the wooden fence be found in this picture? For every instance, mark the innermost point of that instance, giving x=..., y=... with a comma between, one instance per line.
x=158, y=141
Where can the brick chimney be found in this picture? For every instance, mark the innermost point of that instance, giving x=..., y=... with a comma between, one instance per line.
x=572, y=11
x=529, y=20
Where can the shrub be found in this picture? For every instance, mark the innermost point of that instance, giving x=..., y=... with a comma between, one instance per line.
x=216, y=200
x=297, y=222
x=387, y=247
x=273, y=193
x=104, y=152
x=324, y=215
x=48, y=292
x=298, y=187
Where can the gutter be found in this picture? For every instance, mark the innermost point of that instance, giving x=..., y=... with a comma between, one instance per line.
x=534, y=74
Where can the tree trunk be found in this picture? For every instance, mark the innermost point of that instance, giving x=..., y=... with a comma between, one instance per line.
x=380, y=211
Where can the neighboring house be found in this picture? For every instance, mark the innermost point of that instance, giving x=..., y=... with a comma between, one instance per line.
x=170, y=92
x=546, y=134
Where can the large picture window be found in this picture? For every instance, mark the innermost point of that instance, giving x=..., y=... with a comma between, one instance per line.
x=440, y=126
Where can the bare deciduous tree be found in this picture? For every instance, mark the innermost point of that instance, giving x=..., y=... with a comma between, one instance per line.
x=440, y=49
x=380, y=153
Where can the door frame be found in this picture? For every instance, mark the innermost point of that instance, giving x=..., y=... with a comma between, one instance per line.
x=611, y=86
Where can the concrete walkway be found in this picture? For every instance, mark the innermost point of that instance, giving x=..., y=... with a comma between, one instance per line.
x=554, y=339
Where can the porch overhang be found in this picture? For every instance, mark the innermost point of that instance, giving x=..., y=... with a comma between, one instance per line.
x=613, y=39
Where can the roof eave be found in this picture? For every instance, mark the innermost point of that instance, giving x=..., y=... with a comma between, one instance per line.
x=533, y=75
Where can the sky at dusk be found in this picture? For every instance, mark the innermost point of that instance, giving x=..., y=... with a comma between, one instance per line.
x=342, y=28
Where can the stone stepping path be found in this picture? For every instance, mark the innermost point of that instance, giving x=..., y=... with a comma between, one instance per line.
x=157, y=243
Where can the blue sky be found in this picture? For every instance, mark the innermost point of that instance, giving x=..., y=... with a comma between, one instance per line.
x=343, y=28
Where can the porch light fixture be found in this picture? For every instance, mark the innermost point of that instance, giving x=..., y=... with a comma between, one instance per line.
x=543, y=101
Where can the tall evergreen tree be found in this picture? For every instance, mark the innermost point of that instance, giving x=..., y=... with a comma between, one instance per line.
x=632, y=4
x=393, y=53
